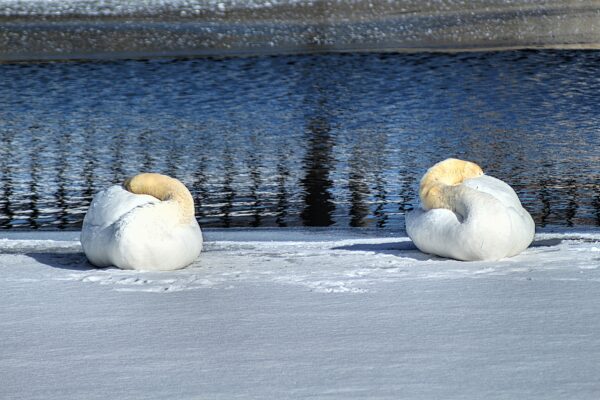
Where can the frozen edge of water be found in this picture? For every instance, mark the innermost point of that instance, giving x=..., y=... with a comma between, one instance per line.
x=319, y=260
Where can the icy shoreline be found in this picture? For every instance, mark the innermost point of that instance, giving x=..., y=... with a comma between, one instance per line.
x=301, y=313
x=347, y=260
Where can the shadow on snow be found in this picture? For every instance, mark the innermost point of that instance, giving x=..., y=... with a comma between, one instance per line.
x=73, y=261
x=409, y=250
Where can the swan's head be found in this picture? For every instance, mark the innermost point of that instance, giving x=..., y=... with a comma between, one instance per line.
x=449, y=172
x=164, y=188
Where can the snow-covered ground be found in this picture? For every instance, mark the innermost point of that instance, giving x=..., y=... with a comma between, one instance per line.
x=301, y=314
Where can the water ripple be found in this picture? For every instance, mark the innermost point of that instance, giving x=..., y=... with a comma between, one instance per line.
x=315, y=140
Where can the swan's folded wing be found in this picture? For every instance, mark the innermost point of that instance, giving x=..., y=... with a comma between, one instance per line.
x=495, y=187
x=98, y=229
x=522, y=227
x=430, y=230
x=111, y=204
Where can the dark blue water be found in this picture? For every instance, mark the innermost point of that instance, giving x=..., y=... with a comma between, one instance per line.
x=316, y=140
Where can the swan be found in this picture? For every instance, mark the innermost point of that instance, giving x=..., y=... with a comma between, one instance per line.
x=467, y=215
x=147, y=223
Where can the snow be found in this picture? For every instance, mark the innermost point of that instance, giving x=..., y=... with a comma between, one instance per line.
x=120, y=7
x=292, y=313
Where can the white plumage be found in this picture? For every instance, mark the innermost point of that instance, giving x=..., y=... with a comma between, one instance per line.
x=482, y=219
x=140, y=231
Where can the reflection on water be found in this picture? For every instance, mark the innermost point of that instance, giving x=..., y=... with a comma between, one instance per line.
x=314, y=140
x=318, y=202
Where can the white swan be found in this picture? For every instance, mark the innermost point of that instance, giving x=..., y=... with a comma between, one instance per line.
x=146, y=224
x=467, y=215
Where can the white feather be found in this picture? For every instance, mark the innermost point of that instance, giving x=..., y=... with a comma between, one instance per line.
x=488, y=223
x=136, y=231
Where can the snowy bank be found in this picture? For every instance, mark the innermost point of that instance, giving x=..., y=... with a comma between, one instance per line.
x=301, y=313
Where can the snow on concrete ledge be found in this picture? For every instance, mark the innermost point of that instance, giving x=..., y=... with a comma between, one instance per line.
x=301, y=314
x=322, y=261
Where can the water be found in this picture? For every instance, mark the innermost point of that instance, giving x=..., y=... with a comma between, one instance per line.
x=314, y=140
